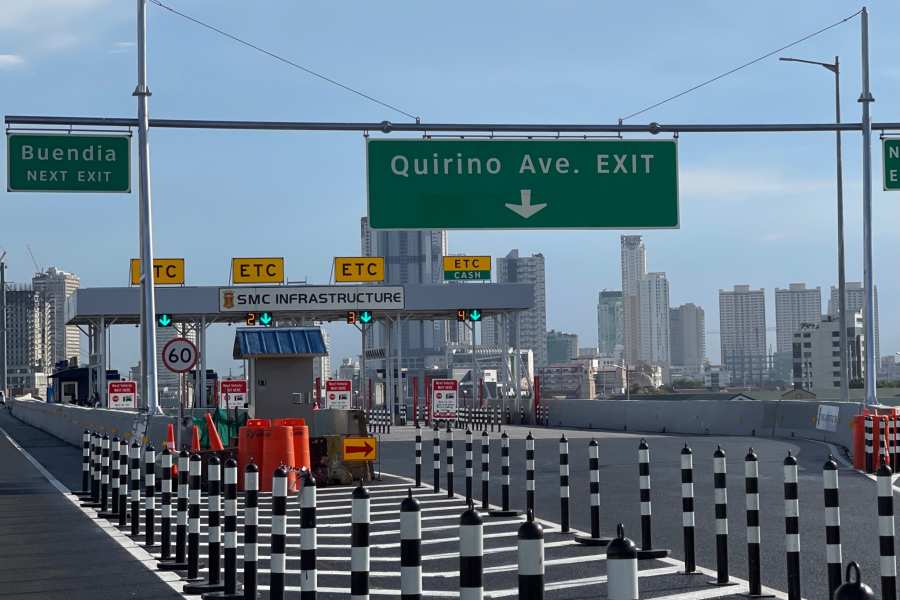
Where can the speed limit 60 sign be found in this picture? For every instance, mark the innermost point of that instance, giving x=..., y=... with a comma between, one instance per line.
x=179, y=355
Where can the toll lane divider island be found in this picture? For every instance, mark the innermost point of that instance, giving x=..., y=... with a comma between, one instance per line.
x=522, y=184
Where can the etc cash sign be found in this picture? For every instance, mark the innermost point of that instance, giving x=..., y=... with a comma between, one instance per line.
x=311, y=298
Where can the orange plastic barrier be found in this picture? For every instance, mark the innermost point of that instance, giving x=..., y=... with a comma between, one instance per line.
x=301, y=441
x=215, y=442
x=278, y=449
x=883, y=425
x=250, y=446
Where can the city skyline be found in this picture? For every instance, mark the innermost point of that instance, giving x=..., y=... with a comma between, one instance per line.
x=301, y=196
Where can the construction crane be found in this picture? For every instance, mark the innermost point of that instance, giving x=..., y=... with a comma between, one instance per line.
x=37, y=268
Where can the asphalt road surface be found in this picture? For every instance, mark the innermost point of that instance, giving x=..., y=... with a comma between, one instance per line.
x=619, y=494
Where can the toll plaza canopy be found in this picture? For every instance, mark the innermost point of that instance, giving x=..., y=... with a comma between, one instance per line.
x=279, y=343
x=214, y=304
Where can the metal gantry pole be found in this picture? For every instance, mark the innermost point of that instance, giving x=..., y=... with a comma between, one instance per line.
x=148, y=325
x=3, y=376
x=842, y=279
x=868, y=282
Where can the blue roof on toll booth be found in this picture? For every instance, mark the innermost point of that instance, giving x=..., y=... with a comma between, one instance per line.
x=280, y=342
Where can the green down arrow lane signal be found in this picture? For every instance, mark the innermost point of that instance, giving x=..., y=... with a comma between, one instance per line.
x=265, y=318
x=365, y=317
x=164, y=320
x=474, y=315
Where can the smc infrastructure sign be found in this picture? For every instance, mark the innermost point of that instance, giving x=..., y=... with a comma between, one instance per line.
x=311, y=298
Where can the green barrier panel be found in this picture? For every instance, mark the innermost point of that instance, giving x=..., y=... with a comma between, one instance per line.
x=227, y=424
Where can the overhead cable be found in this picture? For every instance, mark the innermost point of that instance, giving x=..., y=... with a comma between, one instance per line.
x=738, y=68
x=287, y=61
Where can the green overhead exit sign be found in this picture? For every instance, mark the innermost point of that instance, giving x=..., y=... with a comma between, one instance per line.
x=38, y=162
x=890, y=149
x=522, y=184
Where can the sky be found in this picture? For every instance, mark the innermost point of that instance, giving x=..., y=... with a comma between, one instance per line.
x=755, y=208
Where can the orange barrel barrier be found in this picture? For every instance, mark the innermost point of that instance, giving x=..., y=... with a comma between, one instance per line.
x=858, y=425
x=250, y=445
x=215, y=442
x=301, y=442
x=278, y=449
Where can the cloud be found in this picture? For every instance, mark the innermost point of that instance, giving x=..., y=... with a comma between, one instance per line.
x=11, y=61
x=39, y=27
x=122, y=47
x=733, y=183
x=33, y=15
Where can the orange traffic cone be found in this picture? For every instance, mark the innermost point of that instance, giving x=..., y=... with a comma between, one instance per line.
x=195, y=440
x=215, y=442
x=170, y=444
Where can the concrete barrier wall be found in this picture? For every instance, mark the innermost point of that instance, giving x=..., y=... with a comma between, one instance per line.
x=68, y=422
x=765, y=418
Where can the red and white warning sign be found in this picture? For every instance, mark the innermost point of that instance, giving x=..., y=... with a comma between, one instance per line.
x=444, y=398
x=233, y=393
x=338, y=393
x=122, y=394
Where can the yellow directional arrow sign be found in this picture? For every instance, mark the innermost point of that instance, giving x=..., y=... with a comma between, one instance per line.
x=360, y=448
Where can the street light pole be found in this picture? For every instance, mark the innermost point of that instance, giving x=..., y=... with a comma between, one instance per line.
x=3, y=374
x=868, y=280
x=148, y=317
x=842, y=286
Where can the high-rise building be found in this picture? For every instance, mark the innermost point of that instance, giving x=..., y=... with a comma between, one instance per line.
x=816, y=351
x=28, y=334
x=322, y=364
x=56, y=285
x=855, y=302
x=561, y=347
x=410, y=257
x=794, y=306
x=742, y=330
x=687, y=326
x=610, y=323
x=653, y=300
x=527, y=329
x=634, y=267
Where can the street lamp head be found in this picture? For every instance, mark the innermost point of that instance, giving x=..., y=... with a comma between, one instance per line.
x=833, y=67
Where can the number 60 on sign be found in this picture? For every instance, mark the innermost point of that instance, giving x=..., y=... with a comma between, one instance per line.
x=179, y=355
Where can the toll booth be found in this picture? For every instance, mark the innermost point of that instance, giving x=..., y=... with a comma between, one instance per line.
x=280, y=369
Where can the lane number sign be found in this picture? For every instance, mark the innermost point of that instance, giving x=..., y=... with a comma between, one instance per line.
x=179, y=355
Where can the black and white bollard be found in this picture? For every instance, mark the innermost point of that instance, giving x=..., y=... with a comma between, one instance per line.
x=895, y=429
x=870, y=444
x=504, y=480
x=436, y=458
x=418, y=455
x=114, y=465
x=410, y=549
x=530, y=546
x=792, y=527
x=594, y=467
x=165, y=509
x=449, y=453
x=687, y=508
x=529, y=473
x=135, y=454
x=104, y=472
x=85, y=464
x=647, y=550
x=885, y=533
x=150, y=494
x=751, y=491
x=251, y=530
x=279, y=534
x=308, y=574
x=468, y=466
x=720, y=491
x=123, y=483
x=213, y=532
x=230, y=586
x=832, y=525
x=193, y=537
x=564, y=484
x=359, y=544
x=621, y=568
x=471, y=553
x=485, y=469
x=179, y=562
x=95, y=469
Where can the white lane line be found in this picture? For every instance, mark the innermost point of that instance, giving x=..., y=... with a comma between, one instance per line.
x=386, y=512
x=585, y=581
x=372, y=591
x=712, y=592
x=346, y=505
x=378, y=488
x=710, y=573
x=417, y=494
x=141, y=555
